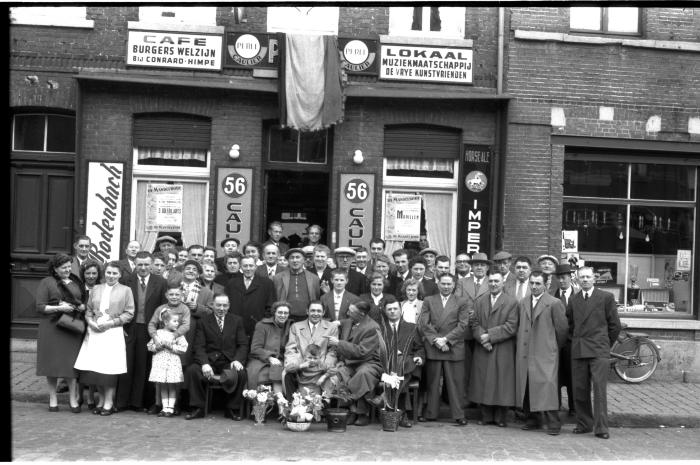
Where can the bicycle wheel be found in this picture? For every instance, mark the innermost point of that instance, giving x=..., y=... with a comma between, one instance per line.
x=641, y=363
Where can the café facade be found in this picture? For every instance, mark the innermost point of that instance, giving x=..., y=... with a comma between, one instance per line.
x=467, y=129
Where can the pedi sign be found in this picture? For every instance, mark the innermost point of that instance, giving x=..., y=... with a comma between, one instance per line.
x=246, y=50
x=358, y=56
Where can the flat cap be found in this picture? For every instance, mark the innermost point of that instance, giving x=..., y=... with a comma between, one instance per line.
x=502, y=255
x=170, y=239
x=291, y=251
x=347, y=250
x=548, y=257
x=428, y=250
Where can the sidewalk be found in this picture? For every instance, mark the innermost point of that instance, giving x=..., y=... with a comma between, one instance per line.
x=654, y=403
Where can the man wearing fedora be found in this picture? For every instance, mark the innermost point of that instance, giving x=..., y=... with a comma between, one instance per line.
x=220, y=345
x=502, y=260
x=475, y=286
x=297, y=285
x=565, y=292
x=230, y=245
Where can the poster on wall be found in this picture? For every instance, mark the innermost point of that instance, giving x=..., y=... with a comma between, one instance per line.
x=163, y=207
x=234, y=203
x=476, y=191
x=356, y=210
x=104, y=209
x=402, y=218
x=569, y=241
x=683, y=260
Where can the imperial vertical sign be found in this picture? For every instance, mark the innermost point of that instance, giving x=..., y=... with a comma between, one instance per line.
x=104, y=209
x=476, y=190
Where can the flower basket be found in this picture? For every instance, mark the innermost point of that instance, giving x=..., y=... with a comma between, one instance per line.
x=390, y=419
x=262, y=400
x=298, y=427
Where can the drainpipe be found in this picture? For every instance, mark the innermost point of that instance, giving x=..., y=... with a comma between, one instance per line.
x=501, y=21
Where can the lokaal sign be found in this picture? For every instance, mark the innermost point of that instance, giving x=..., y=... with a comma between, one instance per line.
x=104, y=209
x=174, y=50
x=420, y=63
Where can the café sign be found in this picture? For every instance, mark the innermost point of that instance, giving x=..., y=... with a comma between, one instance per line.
x=420, y=63
x=174, y=50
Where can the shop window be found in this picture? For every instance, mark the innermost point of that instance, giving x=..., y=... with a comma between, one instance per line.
x=199, y=15
x=427, y=21
x=59, y=16
x=43, y=133
x=287, y=145
x=636, y=227
x=171, y=142
x=606, y=20
x=303, y=19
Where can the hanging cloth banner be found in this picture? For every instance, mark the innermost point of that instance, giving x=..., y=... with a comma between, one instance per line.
x=163, y=207
x=310, y=82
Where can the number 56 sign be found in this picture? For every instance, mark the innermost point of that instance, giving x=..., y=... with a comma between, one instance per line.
x=356, y=210
x=234, y=204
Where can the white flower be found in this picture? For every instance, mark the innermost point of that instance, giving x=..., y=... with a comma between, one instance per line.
x=262, y=397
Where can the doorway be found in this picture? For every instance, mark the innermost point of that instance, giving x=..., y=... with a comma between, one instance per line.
x=297, y=199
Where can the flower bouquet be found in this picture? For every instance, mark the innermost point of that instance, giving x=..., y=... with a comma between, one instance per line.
x=262, y=399
x=298, y=414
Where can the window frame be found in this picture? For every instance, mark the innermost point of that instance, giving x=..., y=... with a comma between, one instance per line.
x=279, y=18
x=46, y=131
x=398, y=30
x=270, y=125
x=629, y=202
x=412, y=181
x=604, y=27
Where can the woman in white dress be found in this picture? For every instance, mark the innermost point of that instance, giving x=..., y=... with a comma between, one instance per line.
x=102, y=356
x=411, y=307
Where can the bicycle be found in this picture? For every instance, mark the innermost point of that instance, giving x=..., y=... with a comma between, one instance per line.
x=634, y=356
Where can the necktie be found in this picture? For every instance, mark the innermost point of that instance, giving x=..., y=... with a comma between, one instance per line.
x=270, y=272
x=143, y=284
x=220, y=321
x=521, y=290
x=476, y=286
x=393, y=331
x=247, y=283
x=585, y=296
x=313, y=330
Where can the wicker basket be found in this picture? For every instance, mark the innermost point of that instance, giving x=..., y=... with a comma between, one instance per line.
x=390, y=419
x=294, y=426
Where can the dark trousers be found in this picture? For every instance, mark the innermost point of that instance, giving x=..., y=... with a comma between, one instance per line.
x=493, y=413
x=587, y=371
x=468, y=352
x=453, y=377
x=197, y=385
x=565, y=375
x=548, y=417
x=133, y=388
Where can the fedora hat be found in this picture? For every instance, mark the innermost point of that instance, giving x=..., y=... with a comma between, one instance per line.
x=479, y=257
x=228, y=380
x=564, y=269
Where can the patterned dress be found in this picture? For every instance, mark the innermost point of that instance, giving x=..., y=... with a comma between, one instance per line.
x=166, y=366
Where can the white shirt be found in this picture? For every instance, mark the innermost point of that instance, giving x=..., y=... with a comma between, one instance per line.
x=410, y=311
x=444, y=300
x=312, y=327
x=535, y=299
x=377, y=298
x=567, y=293
x=495, y=298
x=589, y=292
x=520, y=289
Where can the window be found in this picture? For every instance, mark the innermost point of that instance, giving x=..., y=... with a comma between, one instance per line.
x=43, y=133
x=609, y=20
x=303, y=20
x=60, y=16
x=427, y=21
x=200, y=15
x=636, y=227
x=287, y=145
x=172, y=143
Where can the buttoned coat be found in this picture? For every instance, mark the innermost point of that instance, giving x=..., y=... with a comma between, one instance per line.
x=299, y=339
x=269, y=340
x=465, y=288
x=328, y=302
x=262, y=270
x=156, y=288
x=121, y=304
x=511, y=288
x=593, y=324
x=281, y=283
x=492, y=379
x=542, y=332
x=212, y=345
x=252, y=304
x=451, y=322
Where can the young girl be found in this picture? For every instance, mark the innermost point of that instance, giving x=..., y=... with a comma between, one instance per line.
x=166, y=369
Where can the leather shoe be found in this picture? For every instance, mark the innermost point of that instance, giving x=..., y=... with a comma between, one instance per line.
x=603, y=435
x=196, y=413
x=352, y=418
x=528, y=427
x=91, y=406
x=53, y=409
x=422, y=419
x=405, y=422
x=362, y=420
x=153, y=409
x=96, y=410
x=553, y=432
x=377, y=401
x=105, y=412
x=176, y=411
x=233, y=415
x=75, y=409
x=501, y=424
x=462, y=422
x=578, y=430
x=116, y=409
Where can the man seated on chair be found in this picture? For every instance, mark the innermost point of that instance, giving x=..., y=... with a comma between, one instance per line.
x=405, y=353
x=358, y=350
x=220, y=343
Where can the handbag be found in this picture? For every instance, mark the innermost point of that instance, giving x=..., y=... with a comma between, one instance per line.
x=71, y=322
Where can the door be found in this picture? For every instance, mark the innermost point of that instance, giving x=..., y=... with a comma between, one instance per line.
x=297, y=199
x=41, y=219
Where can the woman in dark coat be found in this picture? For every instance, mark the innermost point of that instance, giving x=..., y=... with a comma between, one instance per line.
x=266, y=357
x=57, y=348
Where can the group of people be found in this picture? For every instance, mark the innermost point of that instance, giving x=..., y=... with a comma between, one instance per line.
x=499, y=333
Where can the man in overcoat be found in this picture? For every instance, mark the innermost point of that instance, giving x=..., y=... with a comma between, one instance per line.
x=542, y=331
x=494, y=326
x=297, y=285
x=593, y=328
x=444, y=321
x=251, y=296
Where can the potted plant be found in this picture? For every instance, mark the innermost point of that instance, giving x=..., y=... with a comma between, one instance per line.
x=262, y=399
x=393, y=381
x=335, y=394
x=298, y=414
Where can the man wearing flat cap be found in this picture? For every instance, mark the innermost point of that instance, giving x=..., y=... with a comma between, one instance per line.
x=429, y=254
x=165, y=244
x=297, y=285
x=548, y=264
x=230, y=245
x=356, y=280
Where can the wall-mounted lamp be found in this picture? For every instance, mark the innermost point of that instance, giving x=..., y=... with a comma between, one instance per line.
x=358, y=158
x=235, y=152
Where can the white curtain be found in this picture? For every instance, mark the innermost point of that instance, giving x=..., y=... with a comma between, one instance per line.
x=172, y=154
x=193, y=215
x=438, y=221
x=420, y=164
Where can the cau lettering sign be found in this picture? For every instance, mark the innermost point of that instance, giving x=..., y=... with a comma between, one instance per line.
x=419, y=63
x=104, y=209
x=174, y=50
x=234, y=204
x=356, y=210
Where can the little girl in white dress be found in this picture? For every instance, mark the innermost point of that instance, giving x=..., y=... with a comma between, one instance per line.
x=166, y=369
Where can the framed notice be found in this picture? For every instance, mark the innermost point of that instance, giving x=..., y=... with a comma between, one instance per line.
x=402, y=217
x=103, y=223
x=234, y=204
x=163, y=207
x=450, y=65
x=683, y=260
x=356, y=210
x=569, y=241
